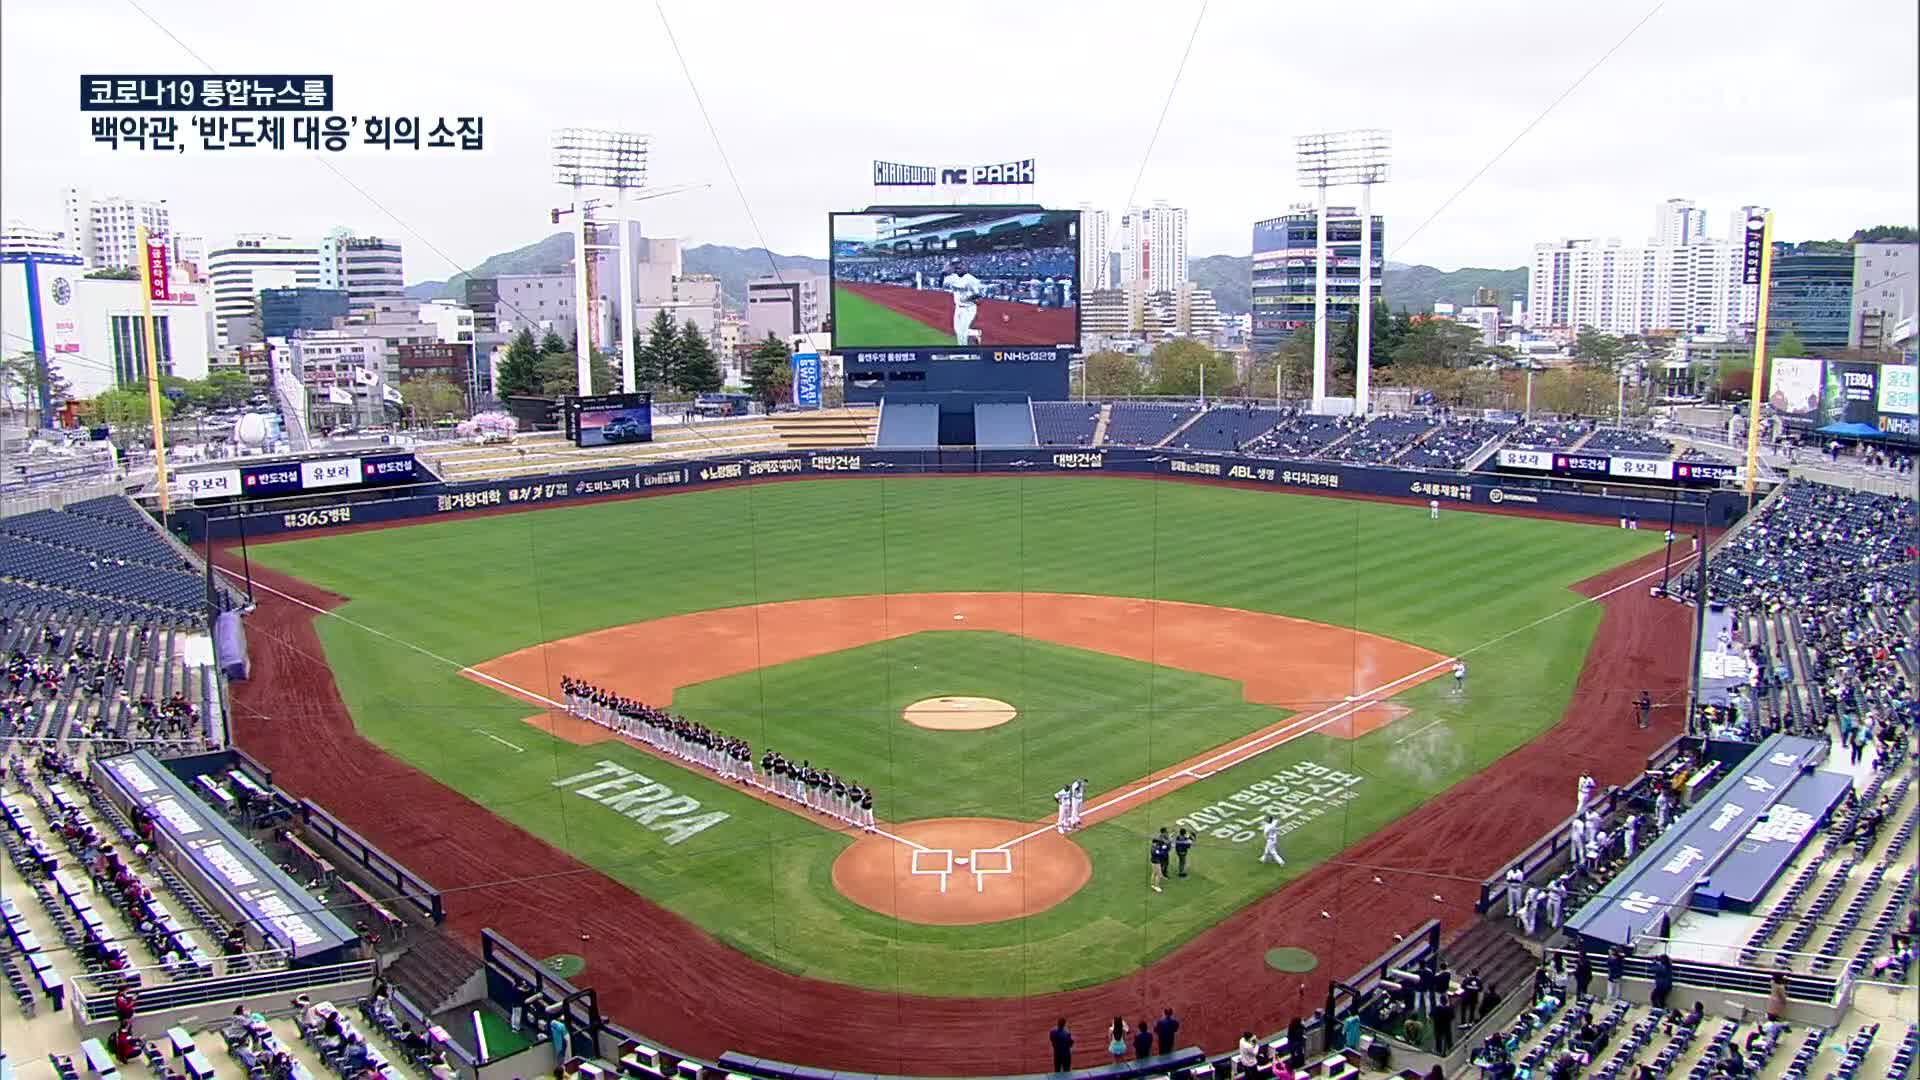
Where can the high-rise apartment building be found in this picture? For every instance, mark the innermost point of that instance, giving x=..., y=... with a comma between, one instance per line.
x=1096, y=270
x=1682, y=281
x=1810, y=296
x=1153, y=247
x=1284, y=270
x=105, y=232
x=1677, y=222
x=19, y=240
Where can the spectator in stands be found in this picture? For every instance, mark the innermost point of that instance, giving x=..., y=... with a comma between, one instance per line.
x=1117, y=1040
x=1616, y=971
x=1143, y=1042
x=356, y=1055
x=1248, y=1055
x=124, y=1046
x=1777, y=997
x=124, y=1003
x=1443, y=1024
x=1163, y=1031
x=1662, y=981
x=1582, y=974
x=1297, y=1043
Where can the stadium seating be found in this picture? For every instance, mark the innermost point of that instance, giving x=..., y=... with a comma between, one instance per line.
x=119, y=680
x=1613, y=440
x=1379, y=440
x=1227, y=427
x=1452, y=444
x=103, y=556
x=1301, y=437
x=1132, y=423
x=1066, y=423
x=1548, y=434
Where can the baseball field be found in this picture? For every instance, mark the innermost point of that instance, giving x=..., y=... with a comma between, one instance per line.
x=893, y=316
x=1202, y=656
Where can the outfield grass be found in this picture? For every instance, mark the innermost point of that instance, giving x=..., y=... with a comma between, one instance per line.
x=472, y=589
x=860, y=323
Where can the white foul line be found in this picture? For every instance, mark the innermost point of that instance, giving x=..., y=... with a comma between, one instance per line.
x=476, y=673
x=1293, y=729
x=516, y=748
x=1422, y=730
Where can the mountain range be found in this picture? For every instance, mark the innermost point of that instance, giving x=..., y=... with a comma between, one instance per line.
x=1229, y=277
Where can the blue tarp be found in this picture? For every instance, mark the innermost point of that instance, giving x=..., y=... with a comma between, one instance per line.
x=1853, y=431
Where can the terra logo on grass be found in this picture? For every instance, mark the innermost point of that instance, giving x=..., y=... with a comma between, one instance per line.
x=646, y=803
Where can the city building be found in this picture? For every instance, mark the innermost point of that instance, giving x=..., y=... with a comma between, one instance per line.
x=1153, y=248
x=254, y=361
x=695, y=299
x=239, y=271
x=369, y=268
x=92, y=330
x=105, y=232
x=786, y=305
x=1104, y=314
x=18, y=240
x=190, y=255
x=1885, y=290
x=286, y=313
x=1811, y=296
x=1284, y=270
x=420, y=360
x=1682, y=281
x=1096, y=270
x=454, y=322
x=1677, y=223
x=535, y=302
x=1195, y=313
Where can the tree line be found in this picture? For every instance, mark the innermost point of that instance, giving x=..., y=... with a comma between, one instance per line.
x=668, y=360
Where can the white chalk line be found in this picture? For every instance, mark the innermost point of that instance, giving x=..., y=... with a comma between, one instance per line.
x=515, y=747
x=1422, y=730
x=1293, y=729
x=530, y=695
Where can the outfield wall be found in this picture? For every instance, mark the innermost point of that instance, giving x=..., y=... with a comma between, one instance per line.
x=1654, y=508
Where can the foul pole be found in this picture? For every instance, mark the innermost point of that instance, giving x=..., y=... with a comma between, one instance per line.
x=147, y=287
x=1759, y=272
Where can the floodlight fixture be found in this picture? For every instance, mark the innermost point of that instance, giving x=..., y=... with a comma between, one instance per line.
x=597, y=158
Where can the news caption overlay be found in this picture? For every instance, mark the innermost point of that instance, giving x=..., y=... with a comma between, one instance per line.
x=211, y=113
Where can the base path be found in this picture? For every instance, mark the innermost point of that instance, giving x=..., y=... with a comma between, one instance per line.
x=1000, y=322
x=961, y=874
x=1291, y=663
x=661, y=975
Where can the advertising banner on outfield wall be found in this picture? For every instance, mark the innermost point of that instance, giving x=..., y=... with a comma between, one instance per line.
x=1516, y=493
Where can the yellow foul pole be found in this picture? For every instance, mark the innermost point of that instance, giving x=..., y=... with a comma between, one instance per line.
x=1754, y=400
x=153, y=372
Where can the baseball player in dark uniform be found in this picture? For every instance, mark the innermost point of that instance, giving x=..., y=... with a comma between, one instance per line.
x=1158, y=850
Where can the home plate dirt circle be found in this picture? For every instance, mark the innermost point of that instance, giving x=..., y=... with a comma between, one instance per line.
x=962, y=873
x=959, y=713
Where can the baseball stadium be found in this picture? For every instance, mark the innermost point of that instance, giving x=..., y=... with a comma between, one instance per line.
x=807, y=744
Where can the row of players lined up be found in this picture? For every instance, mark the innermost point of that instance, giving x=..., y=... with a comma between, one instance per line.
x=816, y=789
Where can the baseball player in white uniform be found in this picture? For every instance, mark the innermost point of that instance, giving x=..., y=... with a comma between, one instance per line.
x=1271, y=853
x=1586, y=791
x=965, y=289
x=1459, y=676
x=1433, y=509
x=1077, y=791
x=1065, y=798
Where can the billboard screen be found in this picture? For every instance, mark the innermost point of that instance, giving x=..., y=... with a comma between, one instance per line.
x=1796, y=386
x=610, y=419
x=956, y=278
x=1899, y=394
x=1852, y=393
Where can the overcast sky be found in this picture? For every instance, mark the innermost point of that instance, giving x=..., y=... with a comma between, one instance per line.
x=1789, y=105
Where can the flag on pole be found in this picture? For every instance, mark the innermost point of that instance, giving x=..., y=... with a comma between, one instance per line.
x=392, y=395
x=338, y=396
x=365, y=377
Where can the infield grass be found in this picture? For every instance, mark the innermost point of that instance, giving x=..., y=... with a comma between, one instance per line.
x=471, y=589
x=860, y=323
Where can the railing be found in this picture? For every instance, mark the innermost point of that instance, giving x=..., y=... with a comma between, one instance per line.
x=1822, y=990
x=382, y=867
x=98, y=1008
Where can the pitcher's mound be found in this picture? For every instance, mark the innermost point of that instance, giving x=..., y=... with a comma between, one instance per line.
x=983, y=880
x=959, y=713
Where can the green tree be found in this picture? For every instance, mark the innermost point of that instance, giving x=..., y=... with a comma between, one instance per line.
x=1787, y=344
x=1593, y=347
x=1112, y=374
x=698, y=369
x=432, y=397
x=770, y=372
x=116, y=273
x=128, y=407
x=655, y=363
x=1886, y=234
x=1440, y=343
x=20, y=383
x=1175, y=369
x=519, y=374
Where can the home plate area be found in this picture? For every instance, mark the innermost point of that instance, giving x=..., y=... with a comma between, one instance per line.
x=921, y=872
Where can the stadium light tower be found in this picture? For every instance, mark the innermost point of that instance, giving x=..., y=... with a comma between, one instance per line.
x=1342, y=159
x=595, y=159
